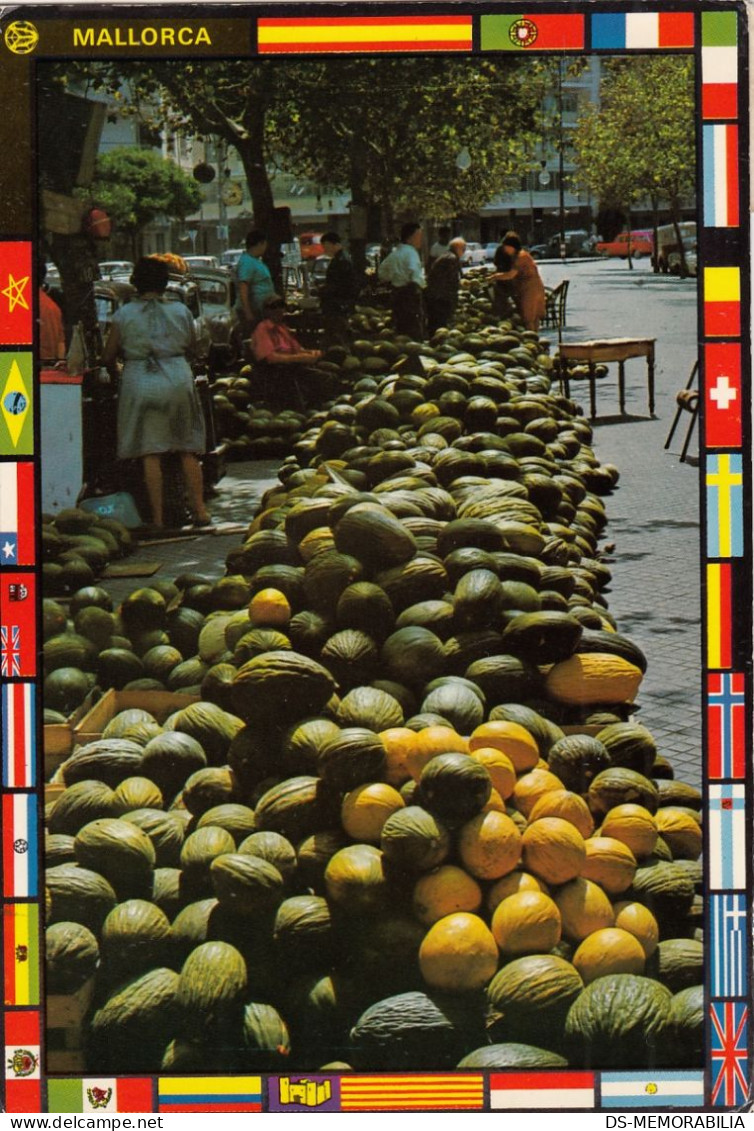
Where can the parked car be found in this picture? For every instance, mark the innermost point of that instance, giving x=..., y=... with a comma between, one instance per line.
x=689, y=254
x=577, y=240
x=490, y=249
x=310, y=244
x=318, y=271
x=231, y=257
x=217, y=296
x=474, y=255
x=667, y=242
x=111, y=267
x=642, y=243
x=193, y=261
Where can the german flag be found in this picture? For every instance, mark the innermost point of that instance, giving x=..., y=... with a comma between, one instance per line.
x=363, y=34
x=409, y=1092
x=719, y=615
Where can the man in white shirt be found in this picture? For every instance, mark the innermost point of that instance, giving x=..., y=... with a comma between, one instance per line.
x=404, y=271
x=441, y=246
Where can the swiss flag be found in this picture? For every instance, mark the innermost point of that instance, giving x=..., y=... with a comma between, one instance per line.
x=16, y=301
x=722, y=395
x=18, y=625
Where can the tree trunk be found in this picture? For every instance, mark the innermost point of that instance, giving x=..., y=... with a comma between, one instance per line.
x=630, y=257
x=655, y=226
x=683, y=269
x=359, y=204
x=251, y=152
x=76, y=259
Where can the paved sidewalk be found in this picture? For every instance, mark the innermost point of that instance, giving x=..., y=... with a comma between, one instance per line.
x=654, y=513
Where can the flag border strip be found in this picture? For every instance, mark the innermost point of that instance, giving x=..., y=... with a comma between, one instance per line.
x=737, y=249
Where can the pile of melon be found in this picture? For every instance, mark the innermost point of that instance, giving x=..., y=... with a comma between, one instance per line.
x=412, y=822
x=77, y=546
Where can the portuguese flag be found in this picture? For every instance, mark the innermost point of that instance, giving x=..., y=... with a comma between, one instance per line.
x=535, y=31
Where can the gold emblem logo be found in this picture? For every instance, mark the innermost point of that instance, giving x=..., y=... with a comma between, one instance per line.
x=21, y=37
x=523, y=33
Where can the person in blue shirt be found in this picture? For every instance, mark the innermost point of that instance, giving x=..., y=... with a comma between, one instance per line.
x=404, y=271
x=253, y=282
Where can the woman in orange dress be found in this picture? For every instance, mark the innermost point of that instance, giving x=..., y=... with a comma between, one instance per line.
x=528, y=288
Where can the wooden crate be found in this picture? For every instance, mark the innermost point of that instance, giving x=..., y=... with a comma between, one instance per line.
x=57, y=738
x=67, y=1011
x=161, y=704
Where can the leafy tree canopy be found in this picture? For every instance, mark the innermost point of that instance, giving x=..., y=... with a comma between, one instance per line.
x=136, y=185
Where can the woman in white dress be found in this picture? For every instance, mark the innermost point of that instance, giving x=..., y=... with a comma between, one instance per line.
x=158, y=404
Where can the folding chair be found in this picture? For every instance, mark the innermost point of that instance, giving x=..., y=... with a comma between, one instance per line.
x=687, y=400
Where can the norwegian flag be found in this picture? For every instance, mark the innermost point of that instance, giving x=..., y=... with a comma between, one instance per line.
x=726, y=719
x=729, y=1052
x=10, y=650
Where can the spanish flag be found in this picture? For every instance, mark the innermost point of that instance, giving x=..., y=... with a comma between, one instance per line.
x=722, y=302
x=363, y=34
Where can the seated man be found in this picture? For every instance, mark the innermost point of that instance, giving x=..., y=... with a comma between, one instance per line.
x=280, y=357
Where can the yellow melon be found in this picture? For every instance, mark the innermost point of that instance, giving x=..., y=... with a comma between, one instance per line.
x=584, y=908
x=366, y=808
x=499, y=766
x=526, y=923
x=495, y=802
x=317, y=540
x=608, y=951
x=593, y=677
x=681, y=832
x=634, y=826
x=609, y=863
x=512, y=739
x=399, y=743
x=511, y=884
x=458, y=954
x=553, y=849
x=530, y=787
x=446, y=890
x=639, y=921
x=489, y=845
x=269, y=608
x=567, y=805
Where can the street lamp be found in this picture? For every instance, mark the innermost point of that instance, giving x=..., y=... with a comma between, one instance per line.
x=561, y=187
x=463, y=160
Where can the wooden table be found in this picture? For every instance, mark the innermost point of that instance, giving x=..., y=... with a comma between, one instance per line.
x=603, y=350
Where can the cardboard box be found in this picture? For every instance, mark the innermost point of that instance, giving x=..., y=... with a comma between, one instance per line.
x=161, y=704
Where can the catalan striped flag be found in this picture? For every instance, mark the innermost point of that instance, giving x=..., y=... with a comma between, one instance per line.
x=20, y=845
x=21, y=953
x=726, y=725
x=720, y=175
x=725, y=506
x=536, y=30
x=412, y=1092
x=722, y=395
x=363, y=34
x=652, y=1089
x=551, y=1090
x=727, y=836
x=719, y=65
x=100, y=1095
x=728, y=950
x=642, y=31
x=16, y=304
x=719, y=615
x=209, y=1093
x=722, y=302
x=16, y=405
x=22, y=1060
x=18, y=711
x=17, y=513
x=729, y=1053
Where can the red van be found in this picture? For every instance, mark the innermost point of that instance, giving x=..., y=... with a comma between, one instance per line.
x=311, y=244
x=641, y=244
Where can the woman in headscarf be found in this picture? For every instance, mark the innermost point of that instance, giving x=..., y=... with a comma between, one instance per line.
x=526, y=283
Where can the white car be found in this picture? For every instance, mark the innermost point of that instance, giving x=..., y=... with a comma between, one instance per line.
x=489, y=250
x=201, y=261
x=474, y=255
x=115, y=267
x=231, y=257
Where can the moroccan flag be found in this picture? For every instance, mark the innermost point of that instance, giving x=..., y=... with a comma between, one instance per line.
x=729, y=1053
x=719, y=65
x=16, y=405
x=536, y=30
x=725, y=506
x=17, y=514
x=554, y=1090
x=364, y=34
x=18, y=621
x=21, y=953
x=652, y=1089
x=100, y=1095
x=18, y=718
x=720, y=175
x=722, y=302
x=16, y=306
x=642, y=31
x=22, y=1060
x=412, y=1092
x=719, y=615
x=726, y=725
x=727, y=944
x=727, y=836
x=722, y=395
x=20, y=845
x=209, y=1093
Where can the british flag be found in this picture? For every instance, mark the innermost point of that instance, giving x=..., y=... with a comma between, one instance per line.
x=729, y=1052
x=726, y=712
x=10, y=650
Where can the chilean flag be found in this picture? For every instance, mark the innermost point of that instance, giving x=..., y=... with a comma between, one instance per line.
x=17, y=514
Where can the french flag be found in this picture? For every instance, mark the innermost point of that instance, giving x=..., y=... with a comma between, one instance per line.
x=17, y=513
